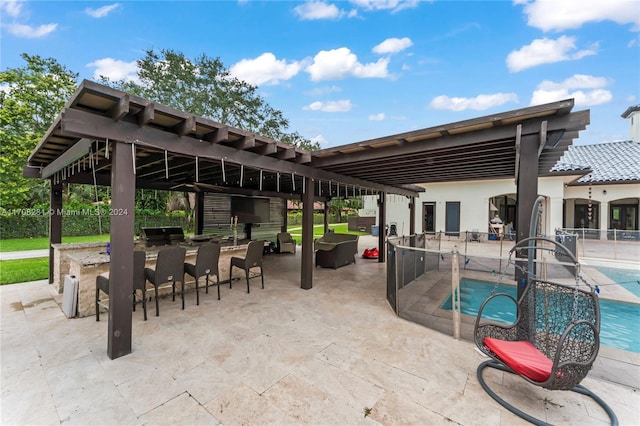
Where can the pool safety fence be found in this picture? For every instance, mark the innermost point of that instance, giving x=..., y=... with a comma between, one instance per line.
x=610, y=244
x=424, y=280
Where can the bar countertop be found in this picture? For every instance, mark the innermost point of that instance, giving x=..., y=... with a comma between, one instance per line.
x=97, y=258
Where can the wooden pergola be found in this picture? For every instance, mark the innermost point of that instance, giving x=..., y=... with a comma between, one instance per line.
x=104, y=136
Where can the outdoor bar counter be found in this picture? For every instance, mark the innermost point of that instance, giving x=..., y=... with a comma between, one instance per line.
x=87, y=260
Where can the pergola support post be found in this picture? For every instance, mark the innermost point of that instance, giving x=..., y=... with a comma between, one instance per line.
x=412, y=215
x=306, y=275
x=326, y=216
x=382, y=214
x=527, y=192
x=121, y=268
x=55, y=222
x=199, y=210
x=285, y=215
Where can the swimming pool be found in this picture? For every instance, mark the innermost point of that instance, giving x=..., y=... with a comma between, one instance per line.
x=619, y=321
x=627, y=278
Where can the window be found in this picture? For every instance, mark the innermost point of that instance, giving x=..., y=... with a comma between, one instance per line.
x=581, y=216
x=452, y=218
x=428, y=217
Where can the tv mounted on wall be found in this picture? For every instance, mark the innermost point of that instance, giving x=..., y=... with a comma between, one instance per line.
x=250, y=209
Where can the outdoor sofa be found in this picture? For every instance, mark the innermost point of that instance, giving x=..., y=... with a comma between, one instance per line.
x=336, y=250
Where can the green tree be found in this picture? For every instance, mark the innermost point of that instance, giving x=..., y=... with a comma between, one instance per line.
x=30, y=99
x=204, y=87
x=339, y=205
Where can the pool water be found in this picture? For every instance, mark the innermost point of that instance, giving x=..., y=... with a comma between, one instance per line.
x=627, y=278
x=619, y=321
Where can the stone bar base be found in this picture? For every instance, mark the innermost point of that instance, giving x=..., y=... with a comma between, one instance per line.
x=88, y=261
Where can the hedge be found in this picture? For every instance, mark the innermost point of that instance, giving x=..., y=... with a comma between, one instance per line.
x=25, y=226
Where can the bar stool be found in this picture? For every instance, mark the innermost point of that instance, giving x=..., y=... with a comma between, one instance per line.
x=253, y=259
x=169, y=268
x=139, y=283
x=206, y=265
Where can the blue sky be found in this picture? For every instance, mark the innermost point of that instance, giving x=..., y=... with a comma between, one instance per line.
x=349, y=71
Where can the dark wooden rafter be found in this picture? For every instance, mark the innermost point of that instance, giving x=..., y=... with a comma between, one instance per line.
x=287, y=154
x=146, y=114
x=185, y=127
x=303, y=157
x=220, y=134
x=120, y=109
x=270, y=148
x=243, y=143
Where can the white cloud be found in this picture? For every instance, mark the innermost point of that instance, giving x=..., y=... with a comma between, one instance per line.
x=101, y=12
x=265, y=69
x=479, y=103
x=577, y=81
x=27, y=31
x=320, y=91
x=114, y=69
x=340, y=63
x=322, y=141
x=546, y=51
x=377, y=117
x=570, y=14
x=317, y=10
x=393, y=5
x=330, y=106
x=591, y=91
x=393, y=45
x=11, y=7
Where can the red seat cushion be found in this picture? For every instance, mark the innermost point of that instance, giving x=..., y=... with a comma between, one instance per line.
x=521, y=357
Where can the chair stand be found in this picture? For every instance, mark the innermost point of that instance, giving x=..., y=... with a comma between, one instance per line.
x=246, y=271
x=579, y=389
x=144, y=303
x=207, y=288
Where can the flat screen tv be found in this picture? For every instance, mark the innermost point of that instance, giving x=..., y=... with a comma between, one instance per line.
x=250, y=209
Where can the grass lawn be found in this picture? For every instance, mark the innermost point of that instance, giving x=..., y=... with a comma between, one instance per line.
x=23, y=270
x=318, y=231
x=19, y=244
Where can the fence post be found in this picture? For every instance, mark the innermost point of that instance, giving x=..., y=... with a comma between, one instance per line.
x=455, y=294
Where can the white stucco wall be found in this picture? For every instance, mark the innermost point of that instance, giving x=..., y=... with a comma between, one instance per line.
x=634, y=126
x=474, y=202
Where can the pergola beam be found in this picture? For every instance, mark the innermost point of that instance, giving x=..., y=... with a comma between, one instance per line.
x=531, y=126
x=76, y=152
x=84, y=124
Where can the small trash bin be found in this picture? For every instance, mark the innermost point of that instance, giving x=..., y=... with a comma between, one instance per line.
x=375, y=230
x=567, y=240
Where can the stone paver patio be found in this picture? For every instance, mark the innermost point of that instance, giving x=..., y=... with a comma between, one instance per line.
x=335, y=354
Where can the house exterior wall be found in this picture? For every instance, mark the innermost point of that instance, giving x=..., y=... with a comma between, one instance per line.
x=634, y=126
x=603, y=196
x=474, y=198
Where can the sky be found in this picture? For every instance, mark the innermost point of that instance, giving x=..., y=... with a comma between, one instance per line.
x=349, y=71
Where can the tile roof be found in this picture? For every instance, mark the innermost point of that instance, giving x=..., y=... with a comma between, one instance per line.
x=630, y=110
x=609, y=162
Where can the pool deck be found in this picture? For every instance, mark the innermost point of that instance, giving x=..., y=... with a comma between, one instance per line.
x=335, y=354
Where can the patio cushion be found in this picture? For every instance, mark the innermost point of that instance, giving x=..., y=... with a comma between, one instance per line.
x=522, y=357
